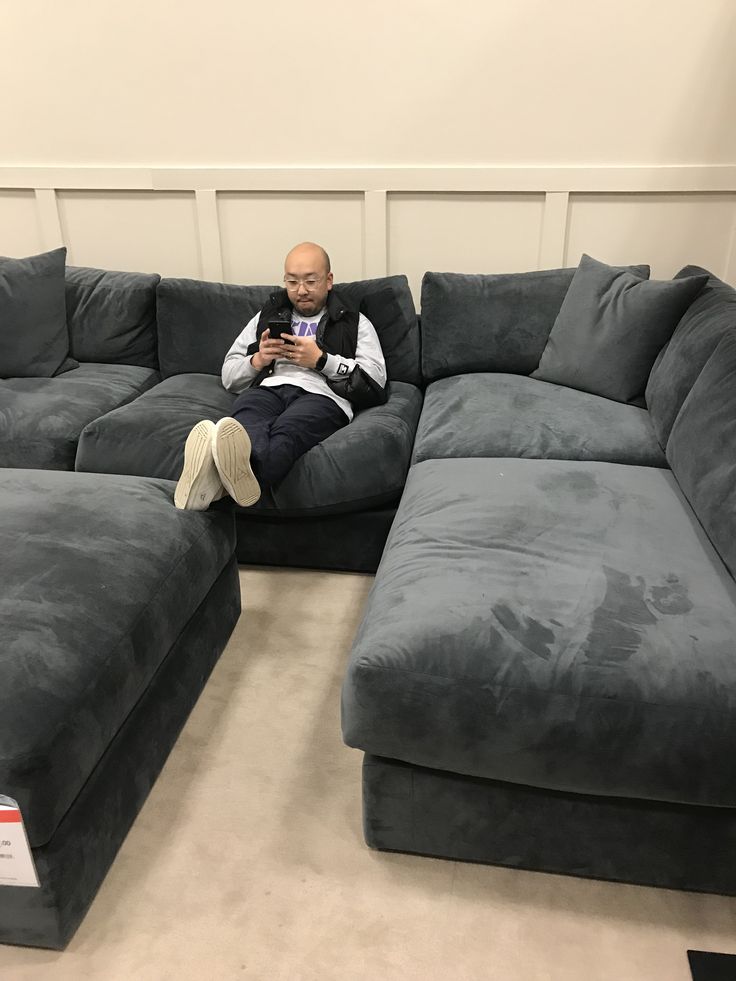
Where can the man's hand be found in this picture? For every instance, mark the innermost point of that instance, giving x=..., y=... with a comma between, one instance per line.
x=302, y=351
x=269, y=348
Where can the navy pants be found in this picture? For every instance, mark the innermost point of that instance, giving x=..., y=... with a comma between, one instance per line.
x=283, y=422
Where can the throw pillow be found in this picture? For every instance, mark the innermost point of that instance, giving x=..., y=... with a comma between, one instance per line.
x=34, y=341
x=612, y=325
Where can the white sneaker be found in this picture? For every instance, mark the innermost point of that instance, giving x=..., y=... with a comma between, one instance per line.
x=231, y=452
x=199, y=484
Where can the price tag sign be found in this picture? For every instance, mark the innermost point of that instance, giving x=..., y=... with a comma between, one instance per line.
x=16, y=860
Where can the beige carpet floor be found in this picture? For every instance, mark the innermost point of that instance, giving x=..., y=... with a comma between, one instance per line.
x=247, y=861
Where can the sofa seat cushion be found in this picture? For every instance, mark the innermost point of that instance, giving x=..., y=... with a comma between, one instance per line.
x=99, y=577
x=489, y=415
x=41, y=418
x=557, y=624
x=146, y=438
x=362, y=465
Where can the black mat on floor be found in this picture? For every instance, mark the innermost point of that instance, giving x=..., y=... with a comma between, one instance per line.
x=705, y=966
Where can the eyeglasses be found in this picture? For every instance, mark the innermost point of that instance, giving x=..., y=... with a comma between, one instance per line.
x=291, y=283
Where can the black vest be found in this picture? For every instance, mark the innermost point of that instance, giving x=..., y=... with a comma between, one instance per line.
x=337, y=331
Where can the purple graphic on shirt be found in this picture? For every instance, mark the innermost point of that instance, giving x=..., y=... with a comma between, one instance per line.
x=302, y=328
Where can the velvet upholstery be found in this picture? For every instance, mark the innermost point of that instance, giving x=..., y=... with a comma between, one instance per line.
x=41, y=418
x=702, y=448
x=198, y=322
x=611, y=326
x=476, y=323
x=388, y=304
x=146, y=438
x=559, y=624
x=72, y=865
x=431, y=812
x=711, y=316
x=498, y=415
x=363, y=465
x=34, y=342
x=351, y=542
x=111, y=316
x=100, y=575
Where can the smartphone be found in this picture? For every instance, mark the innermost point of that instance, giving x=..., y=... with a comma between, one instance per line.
x=278, y=327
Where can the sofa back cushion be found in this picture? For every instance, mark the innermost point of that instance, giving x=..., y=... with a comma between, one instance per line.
x=112, y=316
x=198, y=322
x=711, y=315
x=34, y=342
x=488, y=322
x=701, y=449
x=388, y=304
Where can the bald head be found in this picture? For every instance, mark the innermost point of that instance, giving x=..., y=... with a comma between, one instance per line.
x=311, y=253
x=307, y=277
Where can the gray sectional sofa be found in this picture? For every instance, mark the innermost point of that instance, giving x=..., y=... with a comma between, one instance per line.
x=545, y=675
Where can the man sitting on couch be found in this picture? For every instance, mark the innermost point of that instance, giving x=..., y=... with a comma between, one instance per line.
x=301, y=366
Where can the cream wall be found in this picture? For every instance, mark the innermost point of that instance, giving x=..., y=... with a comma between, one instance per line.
x=204, y=139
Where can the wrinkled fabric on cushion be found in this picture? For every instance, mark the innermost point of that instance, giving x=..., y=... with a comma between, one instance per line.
x=72, y=865
x=702, y=448
x=198, y=322
x=491, y=415
x=112, y=316
x=146, y=438
x=710, y=316
x=476, y=323
x=34, y=342
x=388, y=304
x=611, y=327
x=41, y=418
x=559, y=624
x=100, y=575
x=362, y=465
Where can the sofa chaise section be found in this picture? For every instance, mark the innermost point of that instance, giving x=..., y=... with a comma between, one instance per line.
x=545, y=674
x=114, y=607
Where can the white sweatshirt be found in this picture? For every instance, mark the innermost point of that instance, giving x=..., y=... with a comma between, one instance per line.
x=238, y=373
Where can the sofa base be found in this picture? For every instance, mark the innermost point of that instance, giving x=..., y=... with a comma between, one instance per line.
x=429, y=812
x=343, y=542
x=73, y=864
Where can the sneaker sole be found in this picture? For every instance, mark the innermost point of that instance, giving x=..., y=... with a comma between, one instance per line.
x=199, y=483
x=231, y=452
